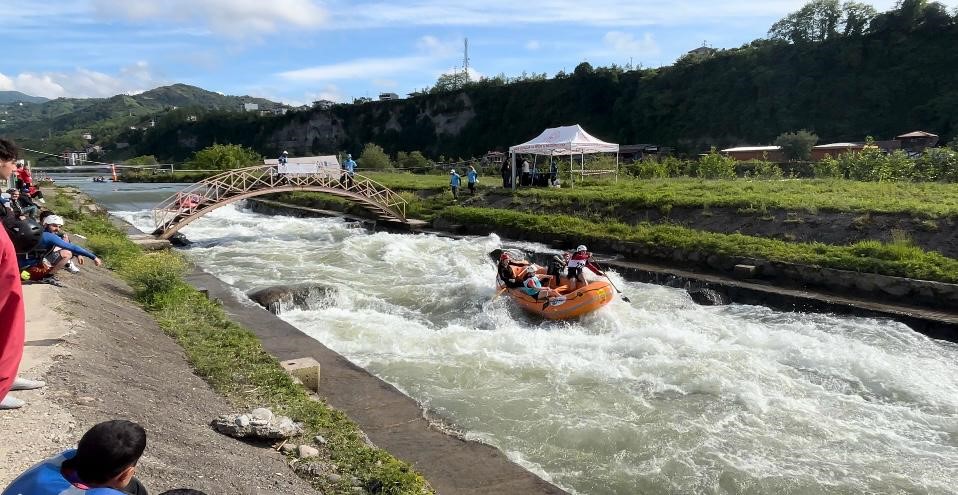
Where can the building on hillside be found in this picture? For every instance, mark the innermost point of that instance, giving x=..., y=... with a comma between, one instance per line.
x=191, y=118
x=834, y=149
x=86, y=135
x=916, y=142
x=280, y=111
x=323, y=104
x=250, y=107
x=388, y=96
x=73, y=158
x=741, y=153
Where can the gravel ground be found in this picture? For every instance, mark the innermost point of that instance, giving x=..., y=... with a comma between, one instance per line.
x=112, y=361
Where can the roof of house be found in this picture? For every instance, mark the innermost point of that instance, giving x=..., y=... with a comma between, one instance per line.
x=752, y=148
x=838, y=146
x=917, y=134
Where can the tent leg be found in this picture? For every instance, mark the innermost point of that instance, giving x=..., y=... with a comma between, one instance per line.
x=512, y=159
x=616, y=167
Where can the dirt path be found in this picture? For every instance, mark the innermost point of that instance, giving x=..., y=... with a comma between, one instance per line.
x=104, y=358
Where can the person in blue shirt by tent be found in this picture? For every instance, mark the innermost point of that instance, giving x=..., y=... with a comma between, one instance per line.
x=454, y=181
x=349, y=168
x=472, y=178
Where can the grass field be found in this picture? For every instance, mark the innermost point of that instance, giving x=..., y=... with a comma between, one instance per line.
x=899, y=258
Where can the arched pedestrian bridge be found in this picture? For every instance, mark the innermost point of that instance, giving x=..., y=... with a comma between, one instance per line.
x=194, y=201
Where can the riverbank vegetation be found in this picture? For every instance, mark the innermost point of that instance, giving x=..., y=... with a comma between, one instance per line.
x=232, y=359
x=899, y=258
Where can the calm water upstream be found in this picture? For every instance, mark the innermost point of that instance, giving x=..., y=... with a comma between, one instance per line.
x=656, y=396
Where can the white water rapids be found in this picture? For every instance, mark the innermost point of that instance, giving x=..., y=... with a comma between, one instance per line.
x=656, y=396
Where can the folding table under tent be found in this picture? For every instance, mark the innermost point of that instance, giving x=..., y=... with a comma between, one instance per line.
x=568, y=140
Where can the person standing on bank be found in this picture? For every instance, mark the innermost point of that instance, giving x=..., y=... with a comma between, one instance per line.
x=526, y=174
x=472, y=178
x=349, y=168
x=506, y=171
x=12, y=317
x=454, y=181
x=283, y=157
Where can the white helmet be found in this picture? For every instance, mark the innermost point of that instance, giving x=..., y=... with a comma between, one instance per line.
x=452, y=171
x=581, y=248
x=285, y=152
x=531, y=269
x=53, y=220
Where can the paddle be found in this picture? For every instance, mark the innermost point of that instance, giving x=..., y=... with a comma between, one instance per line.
x=499, y=293
x=624, y=297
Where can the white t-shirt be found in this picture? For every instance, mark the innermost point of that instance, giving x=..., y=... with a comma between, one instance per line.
x=525, y=166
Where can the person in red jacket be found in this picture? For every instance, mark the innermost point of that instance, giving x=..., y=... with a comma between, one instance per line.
x=582, y=258
x=12, y=317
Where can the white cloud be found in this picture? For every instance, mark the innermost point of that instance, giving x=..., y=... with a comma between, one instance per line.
x=533, y=45
x=233, y=18
x=625, y=44
x=553, y=12
x=83, y=83
x=363, y=68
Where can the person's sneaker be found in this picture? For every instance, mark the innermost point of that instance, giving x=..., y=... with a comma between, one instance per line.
x=11, y=402
x=42, y=201
x=72, y=268
x=25, y=384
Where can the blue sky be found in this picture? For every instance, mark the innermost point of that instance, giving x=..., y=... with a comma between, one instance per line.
x=297, y=51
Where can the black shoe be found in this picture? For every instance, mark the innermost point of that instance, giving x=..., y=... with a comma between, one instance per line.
x=52, y=281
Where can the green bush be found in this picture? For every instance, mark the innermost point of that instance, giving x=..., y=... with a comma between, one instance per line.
x=225, y=157
x=374, y=158
x=797, y=145
x=153, y=274
x=827, y=168
x=715, y=166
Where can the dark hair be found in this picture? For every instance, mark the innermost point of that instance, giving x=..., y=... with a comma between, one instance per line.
x=183, y=491
x=107, y=449
x=8, y=150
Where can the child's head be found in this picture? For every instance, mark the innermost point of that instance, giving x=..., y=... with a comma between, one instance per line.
x=107, y=454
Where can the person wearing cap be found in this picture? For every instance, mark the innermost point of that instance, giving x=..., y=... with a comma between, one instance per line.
x=283, y=157
x=349, y=168
x=104, y=463
x=56, y=252
x=12, y=316
x=578, y=260
x=454, y=181
x=472, y=178
x=21, y=205
x=504, y=270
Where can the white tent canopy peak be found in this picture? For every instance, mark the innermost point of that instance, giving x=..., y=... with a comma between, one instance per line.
x=566, y=140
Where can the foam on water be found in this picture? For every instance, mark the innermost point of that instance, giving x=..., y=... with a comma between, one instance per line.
x=656, y=396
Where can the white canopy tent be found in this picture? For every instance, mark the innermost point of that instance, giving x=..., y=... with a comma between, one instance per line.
x=566, y=141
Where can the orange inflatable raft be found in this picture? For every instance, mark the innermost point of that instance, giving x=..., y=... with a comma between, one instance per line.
x=570, y=304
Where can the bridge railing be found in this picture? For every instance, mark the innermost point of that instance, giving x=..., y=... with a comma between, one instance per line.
x=248, y=181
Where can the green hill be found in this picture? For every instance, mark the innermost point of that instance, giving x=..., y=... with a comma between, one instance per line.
x=16, y=96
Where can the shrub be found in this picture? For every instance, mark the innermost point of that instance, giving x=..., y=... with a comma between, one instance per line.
x=225, y=157
x=374, y=158
x=797, y=145
x=716, y=166
x=827, y=168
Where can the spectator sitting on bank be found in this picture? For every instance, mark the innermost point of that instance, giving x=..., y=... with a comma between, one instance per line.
x=22, y=206
x=50, y=259
x=23, y=178
x=5, y=209
x=62, y=234
x=103, y=463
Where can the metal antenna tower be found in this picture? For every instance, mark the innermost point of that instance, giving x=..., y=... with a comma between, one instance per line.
x=465, y=59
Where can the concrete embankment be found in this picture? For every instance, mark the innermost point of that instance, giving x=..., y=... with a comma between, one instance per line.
x=927, y=307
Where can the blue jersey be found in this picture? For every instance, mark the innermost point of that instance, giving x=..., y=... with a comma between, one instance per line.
x=48, y=241
x=349, y=166
x=45, y=479
x=455, y=180
x=473, y=176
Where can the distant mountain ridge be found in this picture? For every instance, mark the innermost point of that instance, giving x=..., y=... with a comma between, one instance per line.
x=70, y=115
x=16, y=96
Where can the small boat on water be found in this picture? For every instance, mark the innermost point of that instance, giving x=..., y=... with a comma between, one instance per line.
x=569, y=304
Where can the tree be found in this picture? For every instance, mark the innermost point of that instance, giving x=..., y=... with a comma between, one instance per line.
x=142, y=160
x=821, y=20
x=374, y=158
x=583, y=69
x=414, y=160
x=225, y=157
x=797, y=145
